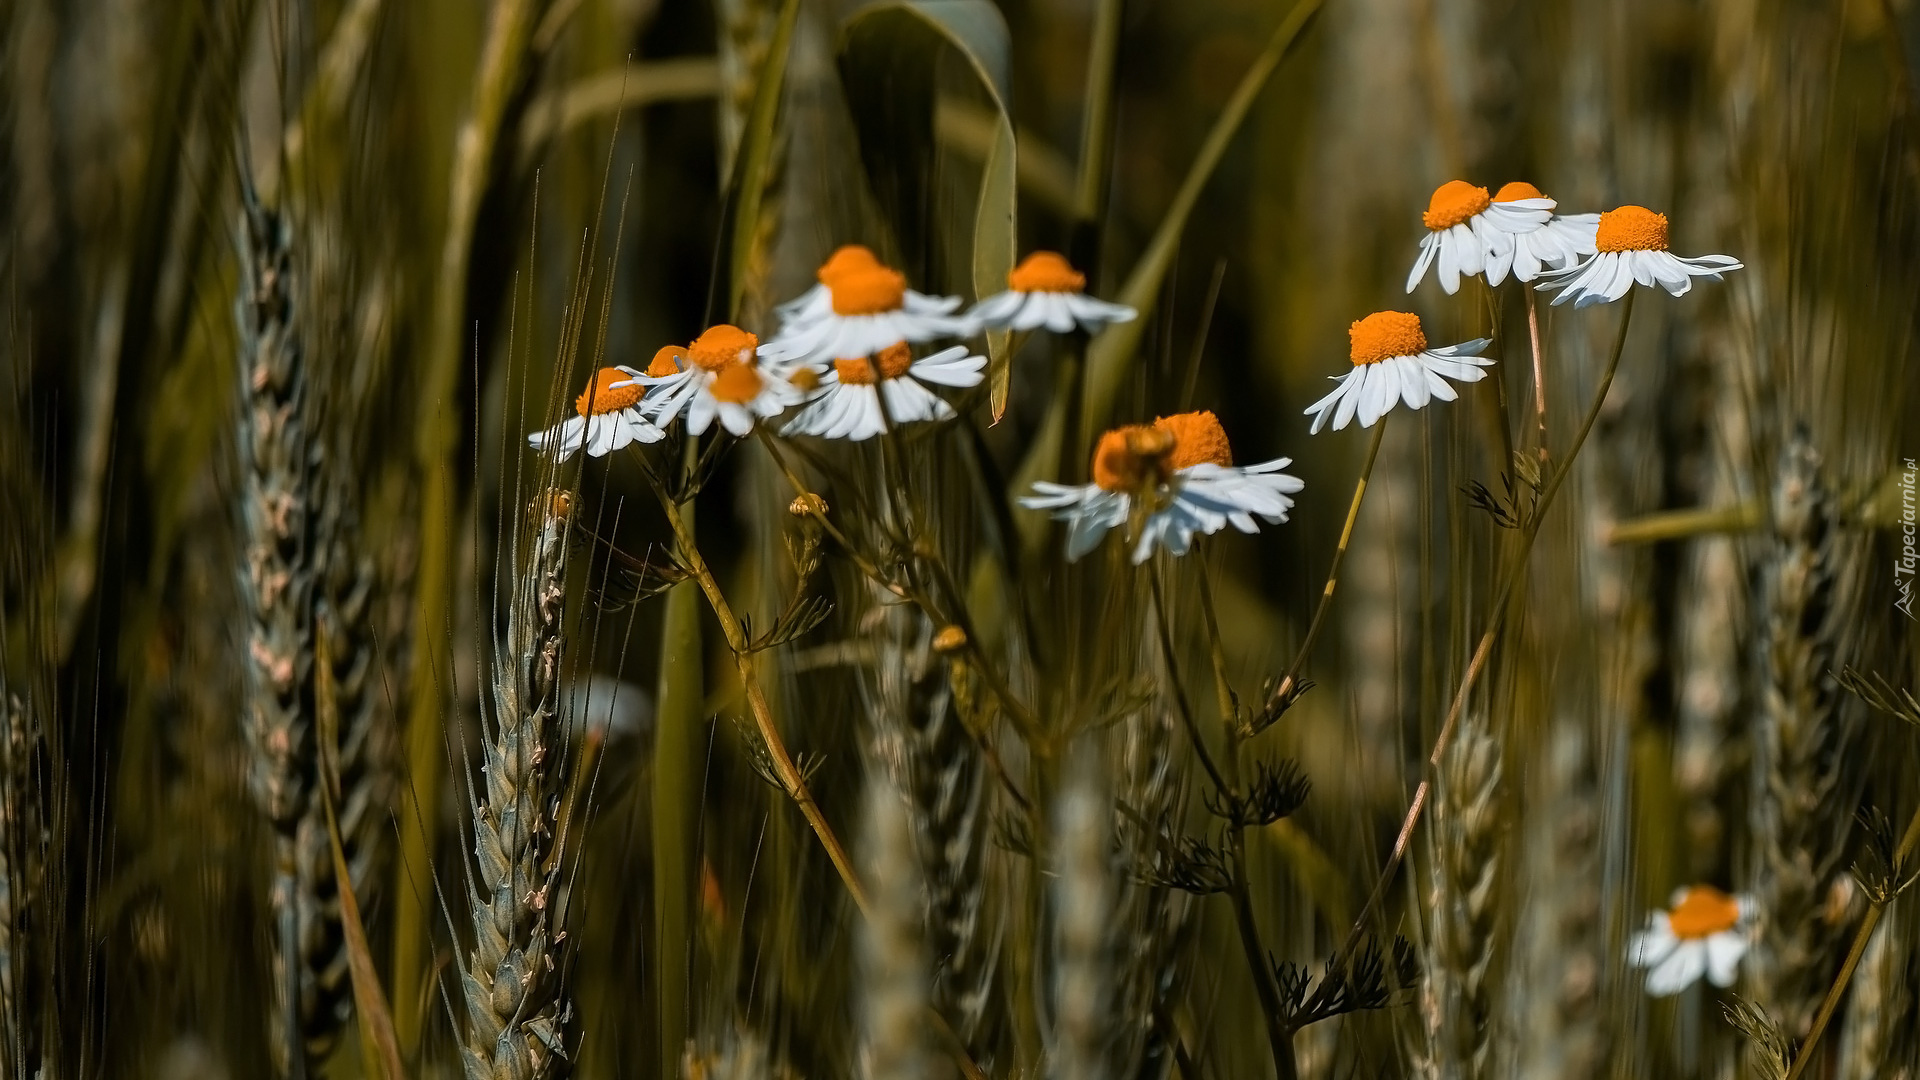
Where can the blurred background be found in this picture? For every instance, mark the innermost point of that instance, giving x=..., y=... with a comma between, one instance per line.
x=488, y=200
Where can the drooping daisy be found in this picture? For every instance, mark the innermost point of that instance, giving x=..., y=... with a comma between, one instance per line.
x=1391, y=362
x=1466, y=228
x=849, y=403
x=1632, y=247
x=1706, y=933
x=1045, y=290
x=720, y=380
x=860, y=307
x=609, y=419
x=1183, y=466
x=1559, y=241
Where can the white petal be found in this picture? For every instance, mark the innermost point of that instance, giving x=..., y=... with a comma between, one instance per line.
x=998, y=310
x=1724, y=951
x=1413, y=381
x=1681, y=969
x=1429, y=244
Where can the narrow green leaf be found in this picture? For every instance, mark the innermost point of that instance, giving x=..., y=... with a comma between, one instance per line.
x=889, y=53
x=747, y=186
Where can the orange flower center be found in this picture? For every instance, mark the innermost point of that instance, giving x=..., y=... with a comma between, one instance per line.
x=1518, y=190
x=867, y=292
x=604, y=397
x=1703, y=912
x=666, y=362
x=852, y=258
x=1631, y=228
x=804, y=379
x=891, y=362
x=736, y=383
x=722, y=345
x=1130, y=457
x=1385, y=334
x=1454, y=202
x=1046, y=271
x=1198, y=439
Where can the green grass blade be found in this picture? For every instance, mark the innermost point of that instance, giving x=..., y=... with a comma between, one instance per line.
x=1108, y=354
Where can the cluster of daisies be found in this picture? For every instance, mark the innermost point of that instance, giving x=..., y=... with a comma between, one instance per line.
x=853, y=357
x=850, y=355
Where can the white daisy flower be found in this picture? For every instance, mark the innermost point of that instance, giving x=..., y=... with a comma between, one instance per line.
x=1467, y=231
x=1182, y=469
x=1706, y=933
x=1391, y=363
x=1559, y=241
x=1631, y=242
x=610, y=418
x=849, y=403
x=721, y=380
x=860, y=307
x=1045, y=290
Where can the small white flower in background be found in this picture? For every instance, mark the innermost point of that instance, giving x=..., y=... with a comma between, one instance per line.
x=1183, y=465
x=1045, y=290
x=860, y=307
x=721, y=380
x=610, y=418
x=1392, y=363
x=1632, y=247
x=849, y=402
x=1467, y=231
x=1559, y=241
x=1705, y=933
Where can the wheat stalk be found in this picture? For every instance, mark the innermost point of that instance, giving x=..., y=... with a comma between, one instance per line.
x=278, y=575
x=515, y=1013
x=1805, y=786
x=895, y=997
x=1084, y=912
x=1466, y=905
x=1882, y=1031
x=1562, y=961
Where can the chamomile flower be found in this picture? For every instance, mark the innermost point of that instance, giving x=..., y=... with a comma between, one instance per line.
x=1045, y=290
x=852, y=393
x=860, y=307
x=1706, y=933
x=1181, y=468
x=609, y=419
x=1392, y=363
x=721, y=380
x=1631, y=242
x=1559, y=241
x=1466, y=229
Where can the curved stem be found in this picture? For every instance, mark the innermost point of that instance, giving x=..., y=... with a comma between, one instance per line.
x=785, y=770
x=1908, y=841
x=1495, y=621
x=1286, y=685
x=1539, y=372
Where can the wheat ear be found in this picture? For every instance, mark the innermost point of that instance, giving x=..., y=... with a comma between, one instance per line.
x=936, y=766
x=22, y=836
x=1805, y=785
x=277, y=581
x=515, y=1015
x=362, y=754
x=1466, y=903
